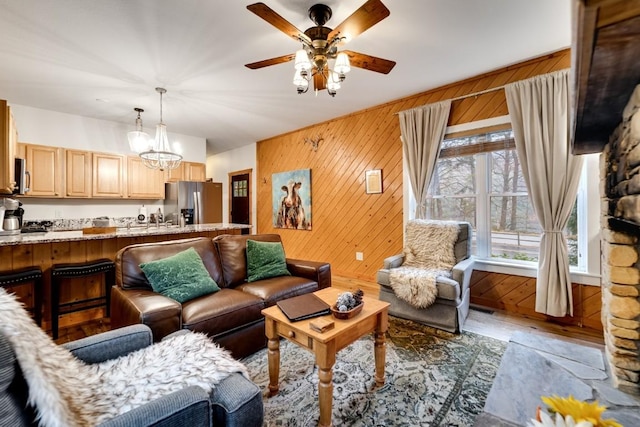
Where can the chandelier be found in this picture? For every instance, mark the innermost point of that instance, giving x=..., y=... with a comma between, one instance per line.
x=138, y=139
x=159, y=154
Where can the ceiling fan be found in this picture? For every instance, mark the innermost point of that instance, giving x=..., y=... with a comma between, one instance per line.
x=320, y=44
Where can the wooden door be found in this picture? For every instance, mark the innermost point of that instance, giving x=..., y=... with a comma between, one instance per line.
x=108, y=175
x=44, y=164
x=143, y=182
x=78, y=169
x=240, y=196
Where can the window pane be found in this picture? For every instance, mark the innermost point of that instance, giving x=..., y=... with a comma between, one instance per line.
x=515, y=232
x=506, y=173
x=454, y=176
x=452, y=209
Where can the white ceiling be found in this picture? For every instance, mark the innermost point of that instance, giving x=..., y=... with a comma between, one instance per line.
x=102, y=58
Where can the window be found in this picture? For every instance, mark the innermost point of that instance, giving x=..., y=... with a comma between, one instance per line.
x=478, y=178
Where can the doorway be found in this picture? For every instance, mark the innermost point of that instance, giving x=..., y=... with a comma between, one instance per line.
x=240, y=197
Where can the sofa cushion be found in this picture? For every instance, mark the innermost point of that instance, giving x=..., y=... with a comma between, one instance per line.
x=265, y=260
x=221, y=312
x=181, y=277
x=279, y=288
x=448, y=289
x=128, y=260
x=232, y=249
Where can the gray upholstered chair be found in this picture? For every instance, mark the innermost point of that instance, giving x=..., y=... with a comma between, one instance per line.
x=235, y=401
x=451, y=306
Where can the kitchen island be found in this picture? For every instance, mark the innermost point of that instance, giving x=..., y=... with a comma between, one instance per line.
x=54, y=247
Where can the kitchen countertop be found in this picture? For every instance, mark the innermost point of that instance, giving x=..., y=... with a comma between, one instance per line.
x=65, y=236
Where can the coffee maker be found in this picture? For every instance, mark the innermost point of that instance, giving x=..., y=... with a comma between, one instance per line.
x=12, y=214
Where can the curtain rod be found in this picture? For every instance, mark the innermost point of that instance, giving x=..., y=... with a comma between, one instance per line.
x=482, y=92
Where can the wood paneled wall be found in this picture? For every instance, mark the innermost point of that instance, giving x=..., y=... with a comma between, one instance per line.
x=516, y=294
x=346, y=220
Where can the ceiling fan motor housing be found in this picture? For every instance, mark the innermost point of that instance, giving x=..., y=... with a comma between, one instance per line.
x=320, y=14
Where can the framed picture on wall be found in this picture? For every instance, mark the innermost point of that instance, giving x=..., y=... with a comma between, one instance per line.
x=291, y=198
x=373, y=181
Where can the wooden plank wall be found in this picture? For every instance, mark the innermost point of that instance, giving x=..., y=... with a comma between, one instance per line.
x=345, y=219
x=516, y=294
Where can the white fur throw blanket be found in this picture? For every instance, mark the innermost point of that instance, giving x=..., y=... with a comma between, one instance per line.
x=428, y=253
x=68, y=392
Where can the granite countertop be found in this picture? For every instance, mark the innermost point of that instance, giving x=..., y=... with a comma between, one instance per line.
x=65, y=236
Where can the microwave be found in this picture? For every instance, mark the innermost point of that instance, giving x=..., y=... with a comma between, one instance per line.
x=22, y=177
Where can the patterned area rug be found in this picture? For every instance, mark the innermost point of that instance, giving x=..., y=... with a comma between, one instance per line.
x=433, y=378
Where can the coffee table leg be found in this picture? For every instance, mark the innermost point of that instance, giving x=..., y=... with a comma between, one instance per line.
x=273, y=356
x=325, y=359
x=380, y=350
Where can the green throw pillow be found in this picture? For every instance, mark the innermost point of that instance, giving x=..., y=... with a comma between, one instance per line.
x=264, y=260
x=181, y=277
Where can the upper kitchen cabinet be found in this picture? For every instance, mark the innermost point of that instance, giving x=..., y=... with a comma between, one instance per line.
x=143, y=182
x=108, y=175
x=187, y=171
x=79, y=176
x=8, y=141
x=177, y=174
x=44, y=165
x=195, y=172
x=605, y=52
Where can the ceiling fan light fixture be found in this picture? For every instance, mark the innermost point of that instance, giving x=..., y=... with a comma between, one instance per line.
x=301, y=82
x=302, y=62
x=138, y=139
x=333, y=83
x=342, y=65
x=160, y=156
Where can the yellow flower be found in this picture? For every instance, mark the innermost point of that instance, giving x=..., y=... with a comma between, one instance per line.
x=579, y=410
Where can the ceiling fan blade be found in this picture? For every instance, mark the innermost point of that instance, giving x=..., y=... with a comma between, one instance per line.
x=368, y=62
x=268, y=14
x=272, y=61
x=369, y=14
x=319, y=82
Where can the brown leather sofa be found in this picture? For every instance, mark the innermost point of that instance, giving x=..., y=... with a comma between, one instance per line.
x=231, y=316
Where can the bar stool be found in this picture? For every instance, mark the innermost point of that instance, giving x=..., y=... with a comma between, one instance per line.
x=59, y=272
x=9, y=279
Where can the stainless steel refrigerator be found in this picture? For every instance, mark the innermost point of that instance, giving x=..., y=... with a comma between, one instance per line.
x=199, y=202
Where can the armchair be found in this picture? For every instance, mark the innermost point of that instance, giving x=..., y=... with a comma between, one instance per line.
x=451, y=305
x=234, y=401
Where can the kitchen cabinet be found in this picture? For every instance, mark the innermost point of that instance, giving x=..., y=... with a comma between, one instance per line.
x=195, y=172
x=187, y=171
x=78, y=173
x=44, y=164
x=108, y=176
x=8, y=141
x=143, y=182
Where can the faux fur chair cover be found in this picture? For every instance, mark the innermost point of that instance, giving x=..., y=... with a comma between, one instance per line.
x=68, y=392
x=428, y=253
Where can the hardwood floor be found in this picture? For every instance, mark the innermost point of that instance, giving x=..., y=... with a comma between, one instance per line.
x=480, y=321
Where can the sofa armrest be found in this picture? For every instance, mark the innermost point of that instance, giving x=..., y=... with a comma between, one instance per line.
x=112, y=344
x=132, y=306
x=317, y=271
x=461, y=273
x=187, y=407
x=394, y=261
x=237, y=402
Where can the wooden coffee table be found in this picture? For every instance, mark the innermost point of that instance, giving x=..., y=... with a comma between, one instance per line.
x=325, y=345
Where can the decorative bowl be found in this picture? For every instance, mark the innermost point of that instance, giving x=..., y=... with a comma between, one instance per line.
x=343, y=315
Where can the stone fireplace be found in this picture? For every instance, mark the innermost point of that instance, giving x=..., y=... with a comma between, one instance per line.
x=620, y=172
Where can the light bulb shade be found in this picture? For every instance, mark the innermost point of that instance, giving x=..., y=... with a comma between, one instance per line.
x=138, y=141
x=300, y=81
x=302, y=62
x=342, y=65
x=333, y=81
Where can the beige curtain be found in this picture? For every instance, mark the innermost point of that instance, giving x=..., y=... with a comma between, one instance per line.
x=539, y=111
x=422, y=131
